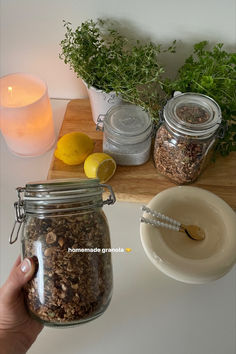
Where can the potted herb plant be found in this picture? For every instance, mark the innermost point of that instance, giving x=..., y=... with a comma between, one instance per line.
x=112, y=66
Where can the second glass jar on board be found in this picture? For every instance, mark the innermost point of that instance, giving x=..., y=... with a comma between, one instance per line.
x=64, y=230
x=186, y=136
x=127, y=134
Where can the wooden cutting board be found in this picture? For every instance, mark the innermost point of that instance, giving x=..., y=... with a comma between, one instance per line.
x=140, y=183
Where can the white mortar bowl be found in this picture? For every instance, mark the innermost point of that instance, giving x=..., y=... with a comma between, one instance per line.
x=177, y=255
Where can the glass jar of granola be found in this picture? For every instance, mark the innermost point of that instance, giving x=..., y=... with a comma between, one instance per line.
x=65, y=230
x=186, y=136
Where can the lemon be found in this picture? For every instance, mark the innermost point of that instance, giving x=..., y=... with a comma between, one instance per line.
x=73, y=148
x=100, y=165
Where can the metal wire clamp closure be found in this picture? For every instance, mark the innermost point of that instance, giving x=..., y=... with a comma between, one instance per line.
x=100, y=123
x=111, y=198
x=19, y=216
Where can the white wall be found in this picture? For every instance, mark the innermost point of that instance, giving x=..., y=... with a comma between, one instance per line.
x=32, y=29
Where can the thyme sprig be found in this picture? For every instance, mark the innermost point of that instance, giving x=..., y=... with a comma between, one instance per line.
x=109, y=61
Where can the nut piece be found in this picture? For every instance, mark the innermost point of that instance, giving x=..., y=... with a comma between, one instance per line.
x=75, y=286
x=61, y=241
x=64, y=288
x=48, y=252
x=51, y=238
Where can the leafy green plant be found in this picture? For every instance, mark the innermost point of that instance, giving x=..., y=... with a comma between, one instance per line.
x=109, y=61
x=213, y=73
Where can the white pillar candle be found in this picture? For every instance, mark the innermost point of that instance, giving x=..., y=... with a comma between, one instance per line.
x=26, y=115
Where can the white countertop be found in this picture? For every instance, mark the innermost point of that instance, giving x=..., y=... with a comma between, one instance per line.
x=149, y=312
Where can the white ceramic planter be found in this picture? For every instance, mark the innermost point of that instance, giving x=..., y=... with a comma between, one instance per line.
x=100, y=101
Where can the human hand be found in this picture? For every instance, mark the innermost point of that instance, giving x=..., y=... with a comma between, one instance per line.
x=18, y=330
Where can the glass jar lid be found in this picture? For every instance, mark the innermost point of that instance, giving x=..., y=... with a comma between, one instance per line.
x=58, y=196
x=61, y=189
x=129, y=122
x=193, y=114
x=54, y=195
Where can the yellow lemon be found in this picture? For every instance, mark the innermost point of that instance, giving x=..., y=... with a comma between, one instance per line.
x=100, y=165
x=128, y=249
x=73, y=148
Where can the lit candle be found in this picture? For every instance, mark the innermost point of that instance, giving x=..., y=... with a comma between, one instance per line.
x=26, y=115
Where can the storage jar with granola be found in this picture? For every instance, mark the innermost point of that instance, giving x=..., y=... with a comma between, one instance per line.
x=186, y=136
x=63, y=227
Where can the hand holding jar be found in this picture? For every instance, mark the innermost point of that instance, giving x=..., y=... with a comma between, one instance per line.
x=18, y=330
x=62, y=223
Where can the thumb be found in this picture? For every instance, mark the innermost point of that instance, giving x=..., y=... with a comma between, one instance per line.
x=20, y=274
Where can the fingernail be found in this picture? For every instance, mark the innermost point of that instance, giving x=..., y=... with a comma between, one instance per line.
x=25, y=265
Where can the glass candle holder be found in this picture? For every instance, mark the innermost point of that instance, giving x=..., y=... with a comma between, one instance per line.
x=26, y=115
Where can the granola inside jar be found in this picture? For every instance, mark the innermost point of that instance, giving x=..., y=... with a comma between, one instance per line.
x=186, y=137
x=63, y=229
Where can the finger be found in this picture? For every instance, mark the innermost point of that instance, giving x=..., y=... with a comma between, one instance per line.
x=19, y=276
x=17, y=262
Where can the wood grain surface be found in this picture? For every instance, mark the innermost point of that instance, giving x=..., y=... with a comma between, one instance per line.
x=140, y=183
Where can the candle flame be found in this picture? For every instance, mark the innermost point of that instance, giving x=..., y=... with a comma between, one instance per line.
x=10, y=91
